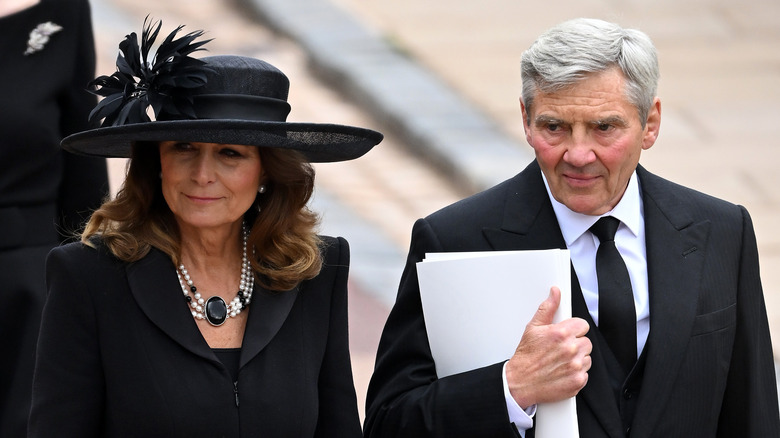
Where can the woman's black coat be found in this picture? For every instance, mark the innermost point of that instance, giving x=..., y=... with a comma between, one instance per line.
x=121, y=356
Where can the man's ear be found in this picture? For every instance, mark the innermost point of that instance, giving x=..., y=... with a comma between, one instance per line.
x=653, y=124
x=526, y=126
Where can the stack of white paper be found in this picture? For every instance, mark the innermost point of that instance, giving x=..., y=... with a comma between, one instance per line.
x=476, y=307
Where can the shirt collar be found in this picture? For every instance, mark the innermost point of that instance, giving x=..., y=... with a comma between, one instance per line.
x=628, y=210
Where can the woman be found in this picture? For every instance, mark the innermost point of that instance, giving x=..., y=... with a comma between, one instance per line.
x=200, y=302
x=47, y=54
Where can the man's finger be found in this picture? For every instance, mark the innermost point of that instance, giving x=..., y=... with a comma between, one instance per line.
x=544, y=314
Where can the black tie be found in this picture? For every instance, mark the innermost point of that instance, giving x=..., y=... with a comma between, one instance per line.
x=617, y=316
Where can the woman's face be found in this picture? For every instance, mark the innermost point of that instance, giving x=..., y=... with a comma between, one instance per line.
x=208, y=185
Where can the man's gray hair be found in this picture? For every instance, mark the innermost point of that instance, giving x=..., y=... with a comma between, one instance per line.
x=570, y=51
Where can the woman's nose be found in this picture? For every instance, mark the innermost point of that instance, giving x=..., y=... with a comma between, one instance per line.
x=203, y=171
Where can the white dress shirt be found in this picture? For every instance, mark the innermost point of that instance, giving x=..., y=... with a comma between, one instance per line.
x=582, y=245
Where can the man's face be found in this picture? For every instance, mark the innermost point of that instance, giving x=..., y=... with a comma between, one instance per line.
x=587, y=139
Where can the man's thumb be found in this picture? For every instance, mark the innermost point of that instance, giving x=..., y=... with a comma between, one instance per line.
x=544, y=314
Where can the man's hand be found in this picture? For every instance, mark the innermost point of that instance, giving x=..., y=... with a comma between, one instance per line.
x=551, y=362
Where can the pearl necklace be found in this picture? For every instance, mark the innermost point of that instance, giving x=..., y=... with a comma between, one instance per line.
x=215, y=310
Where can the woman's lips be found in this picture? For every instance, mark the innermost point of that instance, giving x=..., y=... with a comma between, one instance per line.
x=201, y=199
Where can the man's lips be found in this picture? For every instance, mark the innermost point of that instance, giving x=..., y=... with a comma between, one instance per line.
x=577, y=180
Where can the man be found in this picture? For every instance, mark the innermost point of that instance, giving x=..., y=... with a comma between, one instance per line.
x=670, y=335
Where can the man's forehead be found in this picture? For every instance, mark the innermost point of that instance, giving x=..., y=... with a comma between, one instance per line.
x=584, y=108
x=571, y=117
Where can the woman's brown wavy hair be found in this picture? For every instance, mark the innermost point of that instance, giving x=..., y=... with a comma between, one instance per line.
x=283, y=233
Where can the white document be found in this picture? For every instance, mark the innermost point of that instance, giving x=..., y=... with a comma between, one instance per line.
x=477, y=304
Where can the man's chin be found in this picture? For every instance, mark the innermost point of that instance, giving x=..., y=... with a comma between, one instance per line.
x=588, y=205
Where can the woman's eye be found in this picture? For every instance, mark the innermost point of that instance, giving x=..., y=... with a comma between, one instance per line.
x=182, y=146
x=230, y=153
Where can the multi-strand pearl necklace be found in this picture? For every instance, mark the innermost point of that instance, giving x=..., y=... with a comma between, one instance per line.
x=214, y=309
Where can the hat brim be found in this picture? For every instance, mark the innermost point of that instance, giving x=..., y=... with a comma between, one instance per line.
x=319, y=143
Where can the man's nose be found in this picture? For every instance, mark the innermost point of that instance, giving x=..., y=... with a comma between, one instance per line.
x=580, y=149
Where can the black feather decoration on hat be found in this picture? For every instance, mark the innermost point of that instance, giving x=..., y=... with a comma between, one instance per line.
x=166, y=84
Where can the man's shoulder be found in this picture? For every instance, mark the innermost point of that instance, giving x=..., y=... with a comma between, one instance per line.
x=487, y=205
x=665, y=190
x=683, y=204
x=479, y=206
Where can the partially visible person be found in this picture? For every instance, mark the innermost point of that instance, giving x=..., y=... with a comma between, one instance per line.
x=670, y=335
x=200, y=302
x=48, y=57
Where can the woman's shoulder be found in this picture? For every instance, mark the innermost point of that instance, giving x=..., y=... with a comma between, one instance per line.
x=334, y=248
x=327, y=241
x=72, y=250
x=82, y=255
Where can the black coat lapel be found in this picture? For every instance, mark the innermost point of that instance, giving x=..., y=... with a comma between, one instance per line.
x=528, y=221
x=676, y=246
x=267, y=312
x=156, y=288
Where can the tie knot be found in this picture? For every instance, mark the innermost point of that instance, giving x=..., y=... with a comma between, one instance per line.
x=605, y=228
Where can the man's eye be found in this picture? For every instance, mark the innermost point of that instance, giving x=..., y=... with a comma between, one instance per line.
x=553, y=127
x=604, y=127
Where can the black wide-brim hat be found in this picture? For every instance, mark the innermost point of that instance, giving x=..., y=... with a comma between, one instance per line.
x=243, y=101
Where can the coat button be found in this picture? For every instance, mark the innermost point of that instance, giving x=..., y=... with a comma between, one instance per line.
x=628, y=394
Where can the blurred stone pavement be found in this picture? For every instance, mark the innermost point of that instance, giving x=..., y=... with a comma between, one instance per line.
x=442, y=81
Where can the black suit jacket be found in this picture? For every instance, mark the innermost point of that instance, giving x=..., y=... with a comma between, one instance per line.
x=708, y=360
x=121, y=356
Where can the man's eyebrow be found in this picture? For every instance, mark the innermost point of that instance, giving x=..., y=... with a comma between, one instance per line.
x=611, y=120
x=547, y=120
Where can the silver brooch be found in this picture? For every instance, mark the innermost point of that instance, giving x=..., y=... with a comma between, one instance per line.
x=40, y=36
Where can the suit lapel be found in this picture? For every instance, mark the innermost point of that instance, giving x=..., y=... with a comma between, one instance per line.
x=528, y=220
x=267, y=313
x=676, y=248
x=529, y=223
x=157, y=291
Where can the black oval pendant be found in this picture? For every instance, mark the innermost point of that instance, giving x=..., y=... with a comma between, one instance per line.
x=216, y=311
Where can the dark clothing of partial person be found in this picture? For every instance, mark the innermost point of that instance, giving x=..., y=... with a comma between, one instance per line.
x=121, y=355
x=706, y=370
x=45, y=193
